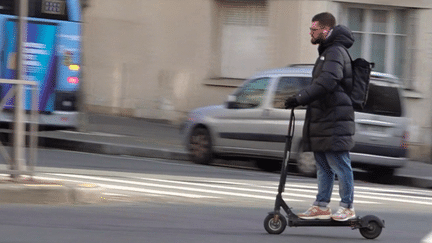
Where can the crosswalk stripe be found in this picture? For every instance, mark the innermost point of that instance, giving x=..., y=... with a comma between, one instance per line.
x=367, y=193
x=199, y=185
x=388, y=195
x=427, y=238
x=377, y=196
x=251, y=190
x=213, y=191
x=153, y=191
x=396, y=200
x=143, y=190
x=172, y=187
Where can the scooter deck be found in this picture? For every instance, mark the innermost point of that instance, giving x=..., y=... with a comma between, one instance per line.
x=297, y=222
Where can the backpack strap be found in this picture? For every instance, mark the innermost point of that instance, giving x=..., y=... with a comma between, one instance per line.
x=346, y=50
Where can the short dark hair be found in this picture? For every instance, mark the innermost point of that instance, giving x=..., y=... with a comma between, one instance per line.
x=325, y=19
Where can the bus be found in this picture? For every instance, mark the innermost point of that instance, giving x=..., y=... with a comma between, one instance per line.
x=51, y=57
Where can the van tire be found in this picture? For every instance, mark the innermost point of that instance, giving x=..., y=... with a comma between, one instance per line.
x=200, y=146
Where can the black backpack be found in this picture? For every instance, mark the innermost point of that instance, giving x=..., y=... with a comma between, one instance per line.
x=361, y=70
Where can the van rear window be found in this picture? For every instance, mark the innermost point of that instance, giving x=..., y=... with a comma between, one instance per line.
x=383, y=100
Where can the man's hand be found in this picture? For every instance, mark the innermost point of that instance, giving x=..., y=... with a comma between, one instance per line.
x=291, y=102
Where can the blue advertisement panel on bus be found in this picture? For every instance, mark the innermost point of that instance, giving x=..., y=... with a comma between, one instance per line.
x=51, y=57
x=40, y=61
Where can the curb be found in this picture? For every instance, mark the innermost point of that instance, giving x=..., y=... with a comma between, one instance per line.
x=49, y=193
x=112, y=149
x=28, y=190
x=86, y=194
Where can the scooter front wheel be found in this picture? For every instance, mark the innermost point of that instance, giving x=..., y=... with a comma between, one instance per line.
x=275, y=223
x=372, y=231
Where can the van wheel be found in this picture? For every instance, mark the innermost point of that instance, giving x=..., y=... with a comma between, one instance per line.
x=200, y=146
x=306, y=164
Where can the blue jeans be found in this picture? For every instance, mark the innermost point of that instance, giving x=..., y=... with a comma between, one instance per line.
x=330, y=164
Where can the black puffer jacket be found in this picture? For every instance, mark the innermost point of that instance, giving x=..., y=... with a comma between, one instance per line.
x=329, y=124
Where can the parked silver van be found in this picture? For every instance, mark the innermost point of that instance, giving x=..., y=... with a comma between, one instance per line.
x=253, y=123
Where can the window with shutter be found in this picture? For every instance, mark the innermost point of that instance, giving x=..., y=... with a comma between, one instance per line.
x=244, y=36
x=383, y=36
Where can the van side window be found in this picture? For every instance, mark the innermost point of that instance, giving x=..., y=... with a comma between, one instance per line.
x=251, y=94
x=288, y=86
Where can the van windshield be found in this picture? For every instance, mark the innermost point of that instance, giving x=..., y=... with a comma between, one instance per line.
x=383, y=100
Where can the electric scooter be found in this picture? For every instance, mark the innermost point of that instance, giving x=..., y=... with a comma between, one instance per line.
x=370, y=226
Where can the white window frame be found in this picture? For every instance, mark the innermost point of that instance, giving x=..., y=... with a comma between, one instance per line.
x=366, y=50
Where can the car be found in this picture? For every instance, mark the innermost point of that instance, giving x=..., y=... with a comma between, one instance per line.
x=253, y=124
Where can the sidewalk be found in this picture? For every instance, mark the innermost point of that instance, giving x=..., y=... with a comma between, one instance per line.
x=144, y=138
x=120, y=136
x=42, y=191
x=105, y=135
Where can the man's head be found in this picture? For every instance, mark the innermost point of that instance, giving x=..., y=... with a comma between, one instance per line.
x=322, y=23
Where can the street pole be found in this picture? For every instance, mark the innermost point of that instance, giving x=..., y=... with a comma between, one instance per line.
x=81, y=103
x=19, y=128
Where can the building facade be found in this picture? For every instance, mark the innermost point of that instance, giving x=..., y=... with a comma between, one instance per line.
x=159, y=59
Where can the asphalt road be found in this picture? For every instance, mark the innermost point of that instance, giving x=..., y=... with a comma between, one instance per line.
x=155, y=200
x=179, y=223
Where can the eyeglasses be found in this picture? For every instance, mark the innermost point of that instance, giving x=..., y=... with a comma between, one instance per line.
x=313, y=30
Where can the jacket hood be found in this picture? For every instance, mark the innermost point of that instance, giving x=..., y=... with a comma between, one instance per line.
x=340, y=35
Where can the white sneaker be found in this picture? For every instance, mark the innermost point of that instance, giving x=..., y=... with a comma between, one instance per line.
x=344, y=214
x=316, y=212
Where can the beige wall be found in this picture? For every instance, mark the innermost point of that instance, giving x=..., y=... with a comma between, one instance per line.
x=160, y=59
x=419, y=106
x=289, y=23
x=145, y=58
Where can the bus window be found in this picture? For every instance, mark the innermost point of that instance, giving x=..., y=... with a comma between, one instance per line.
x=48, y=9
x=44, y=9
x=7, y=7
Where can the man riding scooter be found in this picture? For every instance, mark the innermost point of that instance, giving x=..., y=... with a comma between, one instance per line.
x=329, y=125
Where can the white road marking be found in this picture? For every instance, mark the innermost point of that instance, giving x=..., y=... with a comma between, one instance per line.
x=208, y=191
x=127, y=188
x=168, y=187
x=253, y=190
x=115, y=194
x=95, y=133
x=427, y=238
x=157, y=192
x=388, y=198
x=422, y=192
x=366, y=193
x=303, y=190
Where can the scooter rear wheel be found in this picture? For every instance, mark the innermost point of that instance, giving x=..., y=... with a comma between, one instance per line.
x=275, y=225
x=372, y=231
